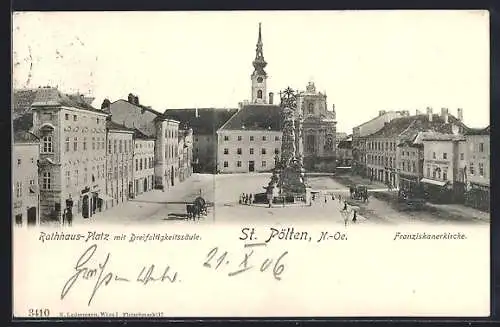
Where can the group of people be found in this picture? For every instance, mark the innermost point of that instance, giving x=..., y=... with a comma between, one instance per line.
x=344, y=211
x=246, y=199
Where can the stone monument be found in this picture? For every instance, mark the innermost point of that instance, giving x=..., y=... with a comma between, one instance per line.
x=288, y=179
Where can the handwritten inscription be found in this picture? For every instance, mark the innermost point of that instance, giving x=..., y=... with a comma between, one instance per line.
x=246, y=262
x=291, y=234
x=100, y=275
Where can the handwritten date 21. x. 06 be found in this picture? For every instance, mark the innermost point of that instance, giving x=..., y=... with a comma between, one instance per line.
x=217, y=259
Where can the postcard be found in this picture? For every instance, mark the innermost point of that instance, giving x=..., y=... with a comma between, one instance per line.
x=251, y=164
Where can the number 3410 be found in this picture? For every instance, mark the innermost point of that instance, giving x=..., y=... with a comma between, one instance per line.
x=38, y=313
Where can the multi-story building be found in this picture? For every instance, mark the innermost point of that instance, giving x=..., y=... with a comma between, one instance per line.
x=382, y=157
x=411, y=162
x=119, y=164
x=144, y=165
x=318, y=128
x=251, y=139
x=360, y=134
x=441, y=166
x=477, y=154
x=132, y=114
x=72, y=154
x=185, y=153
x=344, y=152
x=25, y=191
x=204, y=122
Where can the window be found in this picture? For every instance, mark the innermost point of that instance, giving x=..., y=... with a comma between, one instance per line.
x=47, y=144
x=226, y=138
x=67, y=144
x=251, y=138
x=32, y=160
x=251, y=150
x=445, y=155
x=136, y=164
x=310, y=108
x=114, y=146
x=66, y=116
x=433, y=155
x=76, y=177
x=445, y=176
x=263, y=151
x=93, y=143
x=46, y=182
x=121, y=146
x=238, y=164
x=461, y=156
x=239, y=137
x=481, y=169
x=263, y=163
x=481, y=148
x=439, y=173
x=68, y=179
x=428, y=172
x=239, y=151
x=264, y=138
x=116, y=173
x=97, y=121
x=19, y=189
x=75, y=144
x=109, y=146
x=19, y=162
x=414, y=167
x=121, y=172
x=85, y=175
x=259, y=94
x=75, y=118
x=84, y=143
x=226, y=151
x=276, y=138
x=276, y=151
x=471, y=168
x=140, y=164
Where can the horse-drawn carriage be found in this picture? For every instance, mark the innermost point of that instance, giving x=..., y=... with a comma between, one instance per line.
x=359, y=192
x=198, y=208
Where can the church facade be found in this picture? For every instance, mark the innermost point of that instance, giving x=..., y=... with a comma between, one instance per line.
x=319, y=130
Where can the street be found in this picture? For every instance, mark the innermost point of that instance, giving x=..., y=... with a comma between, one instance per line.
x=223, y=191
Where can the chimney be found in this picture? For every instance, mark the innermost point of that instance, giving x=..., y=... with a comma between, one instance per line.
x=131, y=98
x=196, y=113
x=271, y=95
x=429, y=113
x=460, y=114
x=444, y=115
x=381, y=112
x=417, y=112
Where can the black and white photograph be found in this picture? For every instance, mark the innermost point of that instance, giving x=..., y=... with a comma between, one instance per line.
x=344, y=120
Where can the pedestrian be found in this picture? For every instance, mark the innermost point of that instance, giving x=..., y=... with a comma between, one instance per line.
x=240, y=201
x=354, y=219
x=251, y=198
x=326, y=199
x=333, y=196
x=246, y=198
x=340, y=198
x=345, y=206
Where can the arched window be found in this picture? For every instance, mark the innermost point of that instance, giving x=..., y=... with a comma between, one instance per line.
x=259, y=94
x=310, y=108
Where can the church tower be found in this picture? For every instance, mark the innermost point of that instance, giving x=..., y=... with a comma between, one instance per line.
x=259, y=76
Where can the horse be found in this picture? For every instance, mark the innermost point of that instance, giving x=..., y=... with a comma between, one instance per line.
x=201, y=204
x=193, y=211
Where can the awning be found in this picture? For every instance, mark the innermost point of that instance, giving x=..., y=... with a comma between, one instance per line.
x=431, y=181
x=105, y=197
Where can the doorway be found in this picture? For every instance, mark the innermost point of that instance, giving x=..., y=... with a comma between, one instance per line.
x=251, y=166
x=145, y=184
x=32, y=216
x=85, y=206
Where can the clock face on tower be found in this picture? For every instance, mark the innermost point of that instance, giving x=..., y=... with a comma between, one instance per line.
x=259, y=80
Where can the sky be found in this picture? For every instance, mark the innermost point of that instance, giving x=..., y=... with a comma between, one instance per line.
x=365, y=61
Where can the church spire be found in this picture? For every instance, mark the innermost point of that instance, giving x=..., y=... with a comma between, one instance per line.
x=259, y=63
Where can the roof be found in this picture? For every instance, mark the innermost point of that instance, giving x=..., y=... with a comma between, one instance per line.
x=442, y=137
x=25, y=137
x=255, y=117
x=22, y=100
x=201, y=120
x=111, y=125
x=345, y=144
x=140, y=135
x=408, y=127
x=478, y=131
x=51, y=96
x=147, y=108
x=24, y=122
